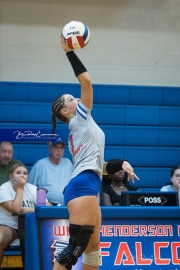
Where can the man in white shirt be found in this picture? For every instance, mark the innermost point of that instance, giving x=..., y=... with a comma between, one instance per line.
x=53, y=172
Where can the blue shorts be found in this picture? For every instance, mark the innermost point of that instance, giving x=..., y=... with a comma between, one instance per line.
x=86, y=183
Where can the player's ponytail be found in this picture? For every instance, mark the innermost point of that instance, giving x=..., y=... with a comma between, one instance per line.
x=57, y=106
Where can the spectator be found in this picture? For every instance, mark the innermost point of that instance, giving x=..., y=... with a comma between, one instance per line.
x=6, y=160
x=113, y=185
x=16, y=196
x=174, y=185
x=53, y=172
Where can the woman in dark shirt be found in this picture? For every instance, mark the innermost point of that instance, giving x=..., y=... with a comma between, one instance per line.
x=113, y=185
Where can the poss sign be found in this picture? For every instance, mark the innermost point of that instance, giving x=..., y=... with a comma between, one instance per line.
x=150, y=198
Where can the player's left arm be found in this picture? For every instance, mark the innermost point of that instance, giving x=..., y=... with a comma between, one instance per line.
x=117, y=165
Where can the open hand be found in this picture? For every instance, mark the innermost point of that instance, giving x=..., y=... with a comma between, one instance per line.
x=128, y=168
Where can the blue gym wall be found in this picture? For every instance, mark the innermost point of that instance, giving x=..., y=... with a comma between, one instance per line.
x=141, y=123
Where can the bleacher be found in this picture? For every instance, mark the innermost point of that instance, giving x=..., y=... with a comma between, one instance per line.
x=141, y=124
x=12, y=257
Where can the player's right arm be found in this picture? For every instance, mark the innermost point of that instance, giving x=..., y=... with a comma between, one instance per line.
x=83, y=77
x=86, y=89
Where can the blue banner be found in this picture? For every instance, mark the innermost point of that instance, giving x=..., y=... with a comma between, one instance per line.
x=128, y=244
x=19, y=135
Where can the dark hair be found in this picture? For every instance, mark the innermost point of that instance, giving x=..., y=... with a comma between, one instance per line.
x=173, y=170
x=57, y=105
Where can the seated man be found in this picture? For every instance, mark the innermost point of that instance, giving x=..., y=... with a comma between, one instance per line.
x=174, y=185
x=53, y=172
x=6, y=160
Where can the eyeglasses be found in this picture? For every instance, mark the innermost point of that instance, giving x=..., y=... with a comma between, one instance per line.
x=57, y=147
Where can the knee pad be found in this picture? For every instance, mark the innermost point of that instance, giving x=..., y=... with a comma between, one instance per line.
x=92, y=258
x=78, y=241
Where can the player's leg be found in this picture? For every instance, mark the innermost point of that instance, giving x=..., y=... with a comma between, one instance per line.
x=83, y=210
x=86, y=211
x=58, y=266
x=84, y=216
x=91, y=256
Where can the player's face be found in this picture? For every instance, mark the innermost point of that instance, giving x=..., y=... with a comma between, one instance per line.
x=176, y=178
x=20, y=173
x=71, y=103
x=6, y=152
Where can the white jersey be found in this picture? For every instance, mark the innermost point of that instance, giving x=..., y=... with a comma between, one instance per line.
x=86, y=142
x=7, y=193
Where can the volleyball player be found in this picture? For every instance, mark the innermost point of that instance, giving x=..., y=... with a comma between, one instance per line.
x=86, y=144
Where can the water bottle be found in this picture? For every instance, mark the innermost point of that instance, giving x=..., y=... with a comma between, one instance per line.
x=41, y=196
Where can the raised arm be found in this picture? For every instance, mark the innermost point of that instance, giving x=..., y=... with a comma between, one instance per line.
x=81, y=74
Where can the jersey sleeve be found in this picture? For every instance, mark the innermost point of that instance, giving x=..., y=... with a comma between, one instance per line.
x=83, y=114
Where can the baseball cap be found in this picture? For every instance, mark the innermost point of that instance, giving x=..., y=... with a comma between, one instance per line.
x=56, y=140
